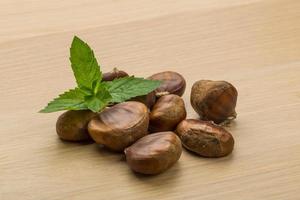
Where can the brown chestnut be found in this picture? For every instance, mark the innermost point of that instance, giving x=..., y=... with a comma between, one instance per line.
x=172, y=83
x=119, y=126
x=154, y=153
x=166, y=113
x=72, y=125
x=205, y=138
x=148, y=100
x=114, y=74
x=214, y=100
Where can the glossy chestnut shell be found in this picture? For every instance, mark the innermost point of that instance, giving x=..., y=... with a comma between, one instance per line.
x=166, y=113
x=148, y=100
x=154, y=153
x=205, y=138
x=172, y=82
x=72, y=125
x=121, y=125
x=214, y=100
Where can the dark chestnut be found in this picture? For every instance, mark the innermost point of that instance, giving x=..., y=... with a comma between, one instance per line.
x=148, y=100
x=72, y=125
x=172, y=83
x=114, y=74
x=166, y=113
x=154, y=153
x=119, y=126
x=205, y=138
x=214, y=100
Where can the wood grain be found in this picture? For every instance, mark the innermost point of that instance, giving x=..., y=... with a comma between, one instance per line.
x=254, y=44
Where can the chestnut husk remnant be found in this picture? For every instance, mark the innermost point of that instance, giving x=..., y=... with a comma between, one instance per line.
x=166, y=113
x=214, y=100
x=205, y=138
x=114, y=74
x=148, y=100
x=154, y=153
x=72, y=125
x=119, y=126
x=172, y=83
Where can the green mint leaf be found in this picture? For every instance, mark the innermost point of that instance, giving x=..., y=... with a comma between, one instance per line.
x=84, y=64
x=70, y=100
x=98, y=101
x=126, y=88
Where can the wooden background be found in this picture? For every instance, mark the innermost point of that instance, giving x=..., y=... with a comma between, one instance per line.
x=255, y=44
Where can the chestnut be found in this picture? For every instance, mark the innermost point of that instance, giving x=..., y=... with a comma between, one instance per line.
x=166, y=113
x=154, y=153
x=114, y=74
x=205, y=138
x=214, y=100
x=119, y=126
x=148, y=100
x=172, y=83
x=72, y=125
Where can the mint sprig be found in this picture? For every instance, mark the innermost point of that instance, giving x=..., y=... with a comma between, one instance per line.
x=90, y=92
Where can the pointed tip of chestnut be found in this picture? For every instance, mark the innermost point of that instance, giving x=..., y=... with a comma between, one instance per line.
x=214, y=100
x=205, y=138
x=172, y=82
x=121, y=125
x=114, y=74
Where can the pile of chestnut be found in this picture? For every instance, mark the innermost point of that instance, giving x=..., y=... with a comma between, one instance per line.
x=152, y=129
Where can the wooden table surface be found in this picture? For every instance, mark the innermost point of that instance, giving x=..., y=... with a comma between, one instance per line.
x=255, y=44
